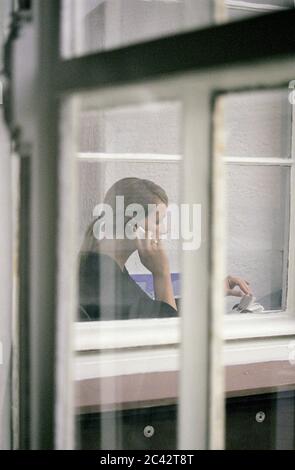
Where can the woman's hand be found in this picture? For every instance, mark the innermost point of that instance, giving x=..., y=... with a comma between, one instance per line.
x=154, y=258
x=152, y=255
x=232, y=282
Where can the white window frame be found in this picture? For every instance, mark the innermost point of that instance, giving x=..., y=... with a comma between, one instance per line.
x=122, y=347
x=248, y=338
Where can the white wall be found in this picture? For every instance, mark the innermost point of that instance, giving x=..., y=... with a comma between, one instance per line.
x=257, y=124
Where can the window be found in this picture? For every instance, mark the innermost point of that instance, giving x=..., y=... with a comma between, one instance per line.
x=7, y=353
x=135, y=141
x=84, y=125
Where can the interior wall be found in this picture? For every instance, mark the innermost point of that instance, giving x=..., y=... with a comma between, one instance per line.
x=258, y=125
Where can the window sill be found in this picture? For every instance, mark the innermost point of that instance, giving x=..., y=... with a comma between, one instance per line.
x=122, y=349
x=140, y=359
x=263, y=325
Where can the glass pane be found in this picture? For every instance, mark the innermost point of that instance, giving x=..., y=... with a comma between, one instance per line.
x=127, y=155
x=5, y=291
x=257, y=231
x=95, y=25
x=254, y=128
x=257, y=124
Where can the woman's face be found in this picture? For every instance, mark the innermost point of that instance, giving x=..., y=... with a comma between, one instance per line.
x=155, y=222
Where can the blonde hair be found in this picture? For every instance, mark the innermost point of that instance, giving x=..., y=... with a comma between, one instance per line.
x=135, y=191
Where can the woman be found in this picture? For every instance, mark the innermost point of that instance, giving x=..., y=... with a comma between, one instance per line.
x=107, y=292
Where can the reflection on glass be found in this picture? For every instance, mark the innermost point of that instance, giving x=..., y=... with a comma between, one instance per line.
x=94, y=25
x=253, y=144
x=107, y=290
x=128, y=168
x=256, y=146
x=116, y=172
x=257, y=228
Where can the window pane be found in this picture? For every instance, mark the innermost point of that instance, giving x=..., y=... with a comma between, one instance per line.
x=252, y=143
x=255, y=131
x=257, y=231
x=132, y=152
x=95, y=25
x=132, y=130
